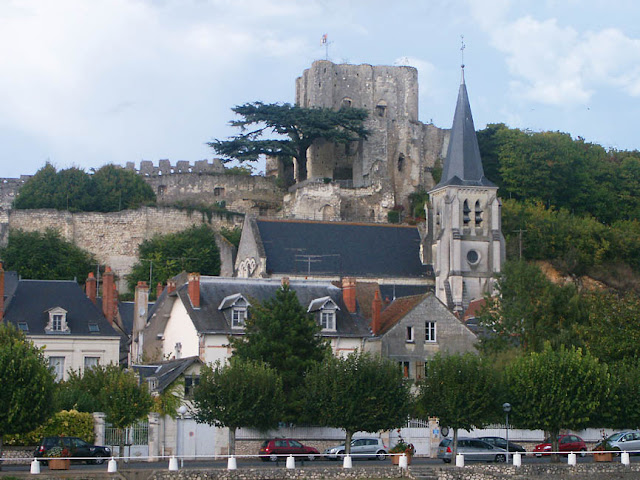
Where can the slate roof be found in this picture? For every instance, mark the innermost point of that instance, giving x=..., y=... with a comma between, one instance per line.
x=209, y=319
x=338, y=248
x=463, y=165
x=32, y=299
x=165, y=372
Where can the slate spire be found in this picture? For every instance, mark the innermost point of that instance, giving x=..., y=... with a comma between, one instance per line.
x=463, y=165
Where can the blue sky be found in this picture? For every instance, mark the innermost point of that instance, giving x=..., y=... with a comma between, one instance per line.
x=85, y=83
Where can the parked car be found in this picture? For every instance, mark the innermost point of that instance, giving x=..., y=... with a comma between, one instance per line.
x=77, y=448
x=360, y=448
x=502, y=443
x=473, y=449
x=566, y=443
x=281, y=447
x=622, y=441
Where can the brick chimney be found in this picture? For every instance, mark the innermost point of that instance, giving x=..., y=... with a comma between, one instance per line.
x=284, y=281
x=91, y=287
x=376, y=307
x=349, y=293
x=1, y=293
x=194, y=289
x=159, y=289
x=171, y=286
x=108, y=286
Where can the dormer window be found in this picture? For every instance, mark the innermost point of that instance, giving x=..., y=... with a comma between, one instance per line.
x=325, y=309
x=238, y=307
x=57, y=321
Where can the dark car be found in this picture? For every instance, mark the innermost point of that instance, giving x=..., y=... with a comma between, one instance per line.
x=77, y=448
x=502, y=443
x=280, y=447
x=566, y=444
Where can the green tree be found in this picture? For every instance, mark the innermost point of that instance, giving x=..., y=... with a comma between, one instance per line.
x=282, y=334
x=27, y=384
x=244, y=393
x=39, y=189
x=360, y=392
x=295, y=129
x=461, y=390
x=165, y=256
x=118, y=189
x=621, y=407
x=45, y=256
x=555, y=389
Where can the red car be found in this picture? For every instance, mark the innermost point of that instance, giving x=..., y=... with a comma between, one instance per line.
x=282, y=447
x=566, y=443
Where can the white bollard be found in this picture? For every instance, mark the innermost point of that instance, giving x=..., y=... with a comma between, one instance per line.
x=35, y=467
x=624, y=458
x=173, y=464
x=346, y=462
x=517, y=459
x=112, y=466
x=403, y=463
x=571, y=459
x=291, y=462
x=459, y=460
x=232, y=464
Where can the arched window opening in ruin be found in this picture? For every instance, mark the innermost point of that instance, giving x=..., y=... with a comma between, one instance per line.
x=162, y=189
x=381, y=109
x=347, y=102
x=400, y=162
x=465, y=213
x=478, y=214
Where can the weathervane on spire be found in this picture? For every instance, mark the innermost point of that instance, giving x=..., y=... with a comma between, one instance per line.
x=462, y=47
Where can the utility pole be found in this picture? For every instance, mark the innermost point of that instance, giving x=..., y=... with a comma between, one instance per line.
x=520, y=232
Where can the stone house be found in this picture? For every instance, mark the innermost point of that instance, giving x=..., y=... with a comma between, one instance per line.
x=57, y=316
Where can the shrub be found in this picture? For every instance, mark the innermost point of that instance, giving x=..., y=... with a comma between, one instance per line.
x=64, y=423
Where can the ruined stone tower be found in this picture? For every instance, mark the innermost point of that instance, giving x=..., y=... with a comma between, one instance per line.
x=464, y=221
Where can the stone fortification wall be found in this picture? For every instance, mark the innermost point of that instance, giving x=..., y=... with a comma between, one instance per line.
x=114, y=237
x=9, y=189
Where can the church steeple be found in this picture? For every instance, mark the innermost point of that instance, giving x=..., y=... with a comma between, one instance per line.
x=463, y=165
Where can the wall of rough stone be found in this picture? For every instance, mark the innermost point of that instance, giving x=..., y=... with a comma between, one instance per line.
x=9, y=189
x=114, y=237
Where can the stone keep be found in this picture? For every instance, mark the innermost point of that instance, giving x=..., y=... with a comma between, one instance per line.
x=400, y=152
x=464, y=221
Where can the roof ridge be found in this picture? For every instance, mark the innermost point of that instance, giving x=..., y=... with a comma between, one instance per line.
x=328, y=222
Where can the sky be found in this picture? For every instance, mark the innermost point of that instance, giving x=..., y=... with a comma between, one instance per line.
x=86, y=83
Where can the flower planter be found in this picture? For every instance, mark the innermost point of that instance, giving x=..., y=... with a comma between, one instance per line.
x=59, y=463
x=603, y=457
x=395, y=459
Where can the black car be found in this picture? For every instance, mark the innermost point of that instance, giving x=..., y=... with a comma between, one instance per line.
x=76, y=447
x=502, y=443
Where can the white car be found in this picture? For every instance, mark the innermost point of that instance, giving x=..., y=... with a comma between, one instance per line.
x=360, y=448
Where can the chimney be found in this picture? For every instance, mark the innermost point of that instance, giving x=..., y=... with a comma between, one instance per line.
x=376, y=306
x=107, y=294
x=284, y=281
x=194, y=289
x=171, y=286
x=349, y=293
x=91, y=287
x=1, y=293
x=159, y=289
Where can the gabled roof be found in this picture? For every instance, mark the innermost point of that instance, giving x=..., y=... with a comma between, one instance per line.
x=231, y=300
x=463, y=165
x=32, y=299
x=341, y=248
x=209, y=319
x=165, y=372
x=397, y=310
x=319, y=304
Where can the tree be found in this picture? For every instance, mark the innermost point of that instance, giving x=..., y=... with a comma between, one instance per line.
x=461, y=390
x=165, y=256
x=555, y=389
x=45, y=256
x=361, y=392
x=27, y=384
x=282, y=334
x=117, y=188
x=244, y=393
x=296, y=128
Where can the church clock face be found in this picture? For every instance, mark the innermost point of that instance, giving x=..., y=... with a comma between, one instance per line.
x=473, y=257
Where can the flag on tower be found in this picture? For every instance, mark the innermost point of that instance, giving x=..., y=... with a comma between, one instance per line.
x=324, y=39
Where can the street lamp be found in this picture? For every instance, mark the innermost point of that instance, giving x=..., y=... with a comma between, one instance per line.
x=181, y=411
x=506, y=407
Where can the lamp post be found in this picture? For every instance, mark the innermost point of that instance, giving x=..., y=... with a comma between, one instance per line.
x=506, y=407
x=181, y=411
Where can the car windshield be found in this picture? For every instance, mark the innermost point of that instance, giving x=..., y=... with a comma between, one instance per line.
x=615, y=437
x=265, y=443
x=445, y=442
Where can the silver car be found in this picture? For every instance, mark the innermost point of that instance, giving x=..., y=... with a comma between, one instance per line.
x=624, y=441
x=473, y=449
x=360, y=448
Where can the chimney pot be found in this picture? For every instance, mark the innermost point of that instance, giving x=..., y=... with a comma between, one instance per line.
x=376, y=307
x=284, y=281
x=159, y=289
x=349, y=293
x=108, y=287
x=171, y=286
x=194, y=289
x=91, y=287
